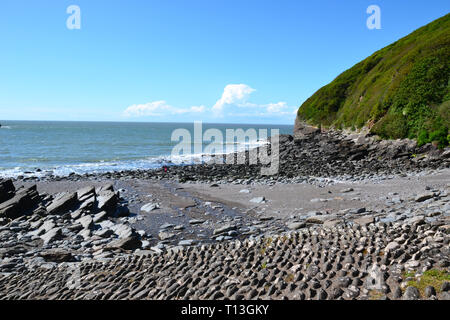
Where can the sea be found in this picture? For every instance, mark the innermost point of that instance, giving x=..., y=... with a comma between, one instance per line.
x=40, y=148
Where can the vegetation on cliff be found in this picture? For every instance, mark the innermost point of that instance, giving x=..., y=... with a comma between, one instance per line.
x=401, y=91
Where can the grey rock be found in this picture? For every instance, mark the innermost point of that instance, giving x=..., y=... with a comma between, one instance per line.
x=25, y=200
x=411, y=293
x=424, y=196
x=57, y=255
x=258, y=200
x=224, y=229
x=429, y=291
x=150, y=207
x=129, y=243
x=196, y=221
x=100, y=216
x=51, y=235
x=63, y=203
x=7, y=190
x=87, y=222
x=106, y=200
x=165, y=235
x=296, y=225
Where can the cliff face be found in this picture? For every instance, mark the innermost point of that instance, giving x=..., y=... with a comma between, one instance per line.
x=401, y=91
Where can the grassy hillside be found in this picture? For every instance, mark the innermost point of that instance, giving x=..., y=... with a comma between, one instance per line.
x=401, y=91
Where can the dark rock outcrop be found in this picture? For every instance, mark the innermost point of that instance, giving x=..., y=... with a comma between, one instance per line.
x=24, y=201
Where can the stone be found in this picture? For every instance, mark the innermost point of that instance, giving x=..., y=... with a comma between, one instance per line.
x=63, y=203
x=364, y=221
x=107, y=200
x=316, y=219
x=166, y=226
x=445, y=286
x=424, y=196
x=165, y=235
x=185, y=243
x=86, y=191
x=357, y=210
x=196, y=221
x=76, y=214
x=88, y=203
x=24, y=201
x=51, y=235
x=57, y=255
x=87, y=222
x=122, y=230
x=224, y=229
x=296, y=225
x=258, y=200
x=244, y=191
x=104, y=233
x=392, y=246
x=7, y=190
x=100, y=216
x=429, y=291
x=150, y=207
x=411, y=293
x=128, y=243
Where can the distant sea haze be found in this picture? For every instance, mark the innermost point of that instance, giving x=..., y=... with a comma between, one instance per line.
x=62, y=148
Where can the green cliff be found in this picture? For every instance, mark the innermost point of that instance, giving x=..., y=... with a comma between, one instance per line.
x=401, y=91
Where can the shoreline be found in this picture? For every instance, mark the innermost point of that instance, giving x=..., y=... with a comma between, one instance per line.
x=130, y=220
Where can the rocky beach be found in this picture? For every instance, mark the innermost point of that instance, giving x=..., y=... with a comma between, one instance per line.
x=347, y=216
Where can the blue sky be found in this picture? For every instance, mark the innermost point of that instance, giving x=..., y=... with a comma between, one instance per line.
x=228, y=61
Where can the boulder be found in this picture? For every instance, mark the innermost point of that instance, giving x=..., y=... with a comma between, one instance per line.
x=24, y=201
x=7, y=190
x=87, y=222
x=85, y=193
x=258, y=200
x=150, y=207
x=128, y=243
x=102, y=215
x=63, y=203
x=122, y=230
x=51, y=235
x=424, y=196
x=57, y=255
x=107, y=200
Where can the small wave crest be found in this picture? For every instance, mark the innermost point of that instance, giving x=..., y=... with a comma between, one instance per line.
x=123, y=165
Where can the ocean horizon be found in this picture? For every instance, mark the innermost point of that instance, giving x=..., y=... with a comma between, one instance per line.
x=60, y=148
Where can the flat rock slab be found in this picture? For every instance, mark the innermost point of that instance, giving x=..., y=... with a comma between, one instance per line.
x=23, y=201
x=196, y=221
x=424, y=197
x=296, y=225
x=149, y=207
x=51, y=235
x=258, y=200
x=128, y=243
x=57, y=255
x=106, y=200
x=63, y=203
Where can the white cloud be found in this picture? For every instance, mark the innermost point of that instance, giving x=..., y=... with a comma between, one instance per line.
x=233, y=103
x=232, y=94
x=159, y=108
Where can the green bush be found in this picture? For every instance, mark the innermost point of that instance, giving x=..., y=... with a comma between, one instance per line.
x=422, y=138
